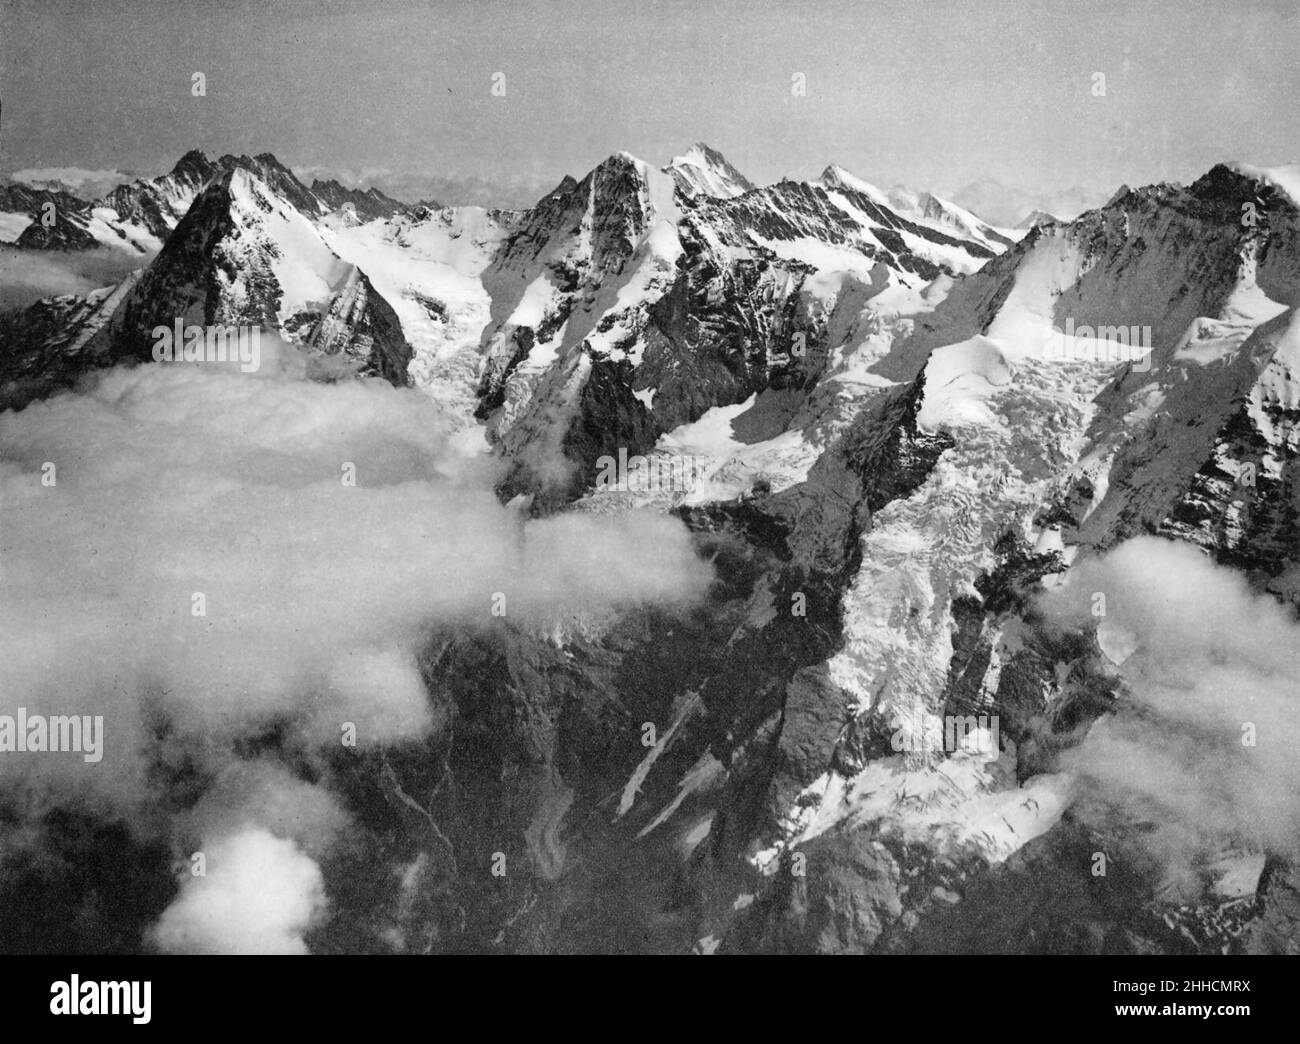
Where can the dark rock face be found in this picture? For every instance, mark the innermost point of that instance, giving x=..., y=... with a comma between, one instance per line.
x=837, y=895
x=610, y=418
x=613, y=193
x=51, y=905
x=360, y=324
x=1278, y=905
x=1242, y=503
x=813, y=721
x=59, y=219
x=184, y=281
x=47, y=346
x=150, y=203
x=278, y=178
x=718, y=336
x=492, y=385
x=1043, y=900
x=67, y=230
x=370, y=204
x=895, y=456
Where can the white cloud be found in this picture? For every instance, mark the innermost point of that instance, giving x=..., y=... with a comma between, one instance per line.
x=174, y=480
x=26, y=276
x=260, y=894
x=88, y=184
x=1205, y=660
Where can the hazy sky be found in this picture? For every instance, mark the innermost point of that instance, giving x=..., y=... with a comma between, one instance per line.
x=932, y=94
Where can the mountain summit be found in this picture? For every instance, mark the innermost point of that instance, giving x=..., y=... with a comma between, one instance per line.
x=702, y=171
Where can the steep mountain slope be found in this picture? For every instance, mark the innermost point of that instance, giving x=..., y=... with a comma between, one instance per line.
x=942, y=214
x=241, y=256
x=428, y=264
x=626, y=309
x=702, y=171
x=55, y=242
x=1035, y=218
x=134, y=217
x=158, y=204
x=1054, y=451
x=22, y=206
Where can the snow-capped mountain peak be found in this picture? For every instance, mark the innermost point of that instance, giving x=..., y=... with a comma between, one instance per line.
x=928, y=208
x=138, y=216
x=1035, y=218
x=922, y=208
x=837, y=177
x=703, y=171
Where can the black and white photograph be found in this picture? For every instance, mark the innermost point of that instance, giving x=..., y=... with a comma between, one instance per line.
x=584, y=477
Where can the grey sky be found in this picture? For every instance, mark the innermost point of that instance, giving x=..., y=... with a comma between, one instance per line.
x=932, y=94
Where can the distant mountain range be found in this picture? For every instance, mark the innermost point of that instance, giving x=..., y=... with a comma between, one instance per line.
x=901, y=426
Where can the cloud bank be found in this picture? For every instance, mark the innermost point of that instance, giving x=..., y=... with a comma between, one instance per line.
x=26, y=276
x=213, y=556
x=88, y=184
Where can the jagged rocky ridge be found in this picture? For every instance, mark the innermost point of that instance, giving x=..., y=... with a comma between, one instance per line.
x=224, y=263
x=138, y=216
